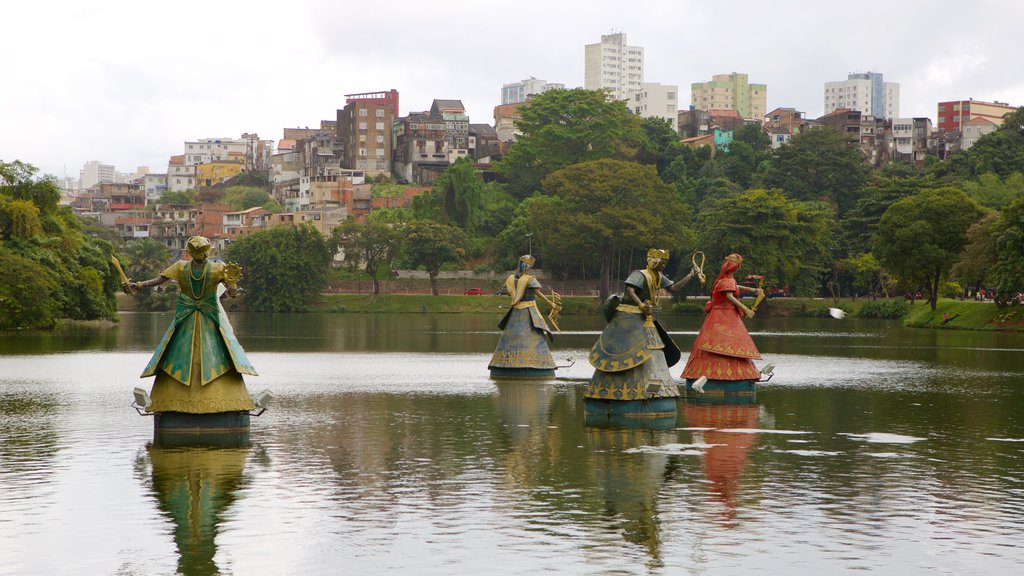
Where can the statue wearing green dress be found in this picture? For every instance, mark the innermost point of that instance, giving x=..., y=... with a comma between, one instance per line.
x=199, y=363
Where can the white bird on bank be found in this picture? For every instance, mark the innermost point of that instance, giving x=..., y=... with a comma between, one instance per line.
x=837, y=313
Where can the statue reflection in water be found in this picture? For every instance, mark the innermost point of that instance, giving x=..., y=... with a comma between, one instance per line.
x=726, y=419
x=630, y=484
x=194, y=483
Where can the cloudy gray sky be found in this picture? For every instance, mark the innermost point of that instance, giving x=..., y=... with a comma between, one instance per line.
x=127, y=82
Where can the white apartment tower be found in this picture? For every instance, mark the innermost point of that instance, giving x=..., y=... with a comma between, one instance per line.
x=614, y=66
x=517, y=92
x=865, y=92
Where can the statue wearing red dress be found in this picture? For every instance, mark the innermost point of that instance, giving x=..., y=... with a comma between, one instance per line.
x=723, y=351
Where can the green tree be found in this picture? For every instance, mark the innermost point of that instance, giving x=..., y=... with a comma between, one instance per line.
x=868, y=275
x=178, y=197
x=432, y=245
x=20, y=219
x=740, y=163
x=245, y=197
x=564, y=127
x=860, y=223
x=1007, y=274
x=27, y=293
x=460, y=189
x=994, y=192
x=285, y=267
x=605, y=206
x=819, y=165
x=979, y=254
x=660, y=143
x=1000, y=152
x=789, y=242
x=146, y=258
x=921, y=236
x=35, y=228
x=373, y=244
x=754, y=136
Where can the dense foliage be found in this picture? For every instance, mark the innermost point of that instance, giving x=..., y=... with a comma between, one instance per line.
x=53, y=268
x=284, y=268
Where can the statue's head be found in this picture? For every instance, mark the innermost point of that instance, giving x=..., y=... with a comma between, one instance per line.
x=525, y=263
x=657, y=258
x=732, y=263
x=198, y=248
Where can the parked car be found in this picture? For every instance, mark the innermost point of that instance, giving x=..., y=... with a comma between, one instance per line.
x=474, y=292
x=777, y=293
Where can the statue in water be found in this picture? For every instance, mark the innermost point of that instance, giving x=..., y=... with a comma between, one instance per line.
x=198, y=364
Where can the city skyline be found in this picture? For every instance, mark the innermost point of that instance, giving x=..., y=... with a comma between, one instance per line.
x=126, y=84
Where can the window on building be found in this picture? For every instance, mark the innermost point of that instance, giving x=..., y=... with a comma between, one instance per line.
x=380, y=112
x=362, y=112
x=362, y=125
x=380, y=125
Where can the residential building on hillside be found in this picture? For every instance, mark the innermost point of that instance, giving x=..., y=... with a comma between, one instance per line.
x=954, y=114
x=154, y=185
x=911, y=139
x=216, y=172
x=866, y=92
x=614, y=66
x=655, y=100
x=693, y=122
x=975, y=128
x=180, y=176
x=365, y=126
x=505, y=116
x=421, y=148
x=517, y=92
x=484, y=145
x=456, y=126
x=733, y=91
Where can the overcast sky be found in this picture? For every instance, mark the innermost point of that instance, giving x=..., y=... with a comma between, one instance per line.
x=127, y=82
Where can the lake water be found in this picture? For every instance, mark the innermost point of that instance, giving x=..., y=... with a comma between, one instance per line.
x=388, y=450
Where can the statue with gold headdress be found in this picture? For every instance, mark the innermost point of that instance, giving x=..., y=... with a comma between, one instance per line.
x=632, y=356
x=723, y=354
x=199, y=363
x=522, y=350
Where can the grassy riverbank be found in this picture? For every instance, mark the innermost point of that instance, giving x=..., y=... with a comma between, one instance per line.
x=966, y=315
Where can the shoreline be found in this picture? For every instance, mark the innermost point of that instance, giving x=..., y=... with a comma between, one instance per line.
x=963, y=314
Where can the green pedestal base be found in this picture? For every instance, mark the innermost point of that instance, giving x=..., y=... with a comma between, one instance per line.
x=522, y=373
x=215, y=423
x=652, y=408
x=724, y=388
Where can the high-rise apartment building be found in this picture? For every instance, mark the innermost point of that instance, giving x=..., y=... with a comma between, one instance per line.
x=519, y=91
x=866, y=92
x=614, y=66
x=95, y=172
x=954, y=114
x=365, y=126
x=731, y=92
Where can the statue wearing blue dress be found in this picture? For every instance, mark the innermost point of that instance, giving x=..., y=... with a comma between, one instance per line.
x=522, y=350
x=632, y=356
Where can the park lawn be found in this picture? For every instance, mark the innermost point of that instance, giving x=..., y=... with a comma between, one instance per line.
x=966, y=315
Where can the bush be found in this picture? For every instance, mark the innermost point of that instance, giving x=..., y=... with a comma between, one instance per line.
x=688, y=309
x=885, y=309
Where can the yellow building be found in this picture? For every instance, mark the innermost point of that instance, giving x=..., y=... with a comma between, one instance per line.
x=731, y=91
x=213, y=173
